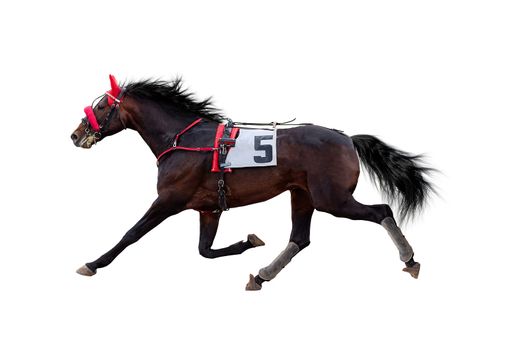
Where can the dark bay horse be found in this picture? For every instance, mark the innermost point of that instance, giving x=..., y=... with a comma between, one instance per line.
x=319, y=166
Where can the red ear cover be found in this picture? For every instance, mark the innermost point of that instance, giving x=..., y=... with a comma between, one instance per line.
x=115, y=89
x=91, y=118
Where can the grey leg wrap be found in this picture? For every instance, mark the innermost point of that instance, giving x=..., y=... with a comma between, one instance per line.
x=269, y=272
x=405, y=250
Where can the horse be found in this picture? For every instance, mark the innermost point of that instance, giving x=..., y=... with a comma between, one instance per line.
x=319, y=166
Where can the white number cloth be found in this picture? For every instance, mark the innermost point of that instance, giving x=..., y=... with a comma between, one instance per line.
x=253, y=148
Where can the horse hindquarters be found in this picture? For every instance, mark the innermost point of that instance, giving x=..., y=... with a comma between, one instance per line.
x=331, y=191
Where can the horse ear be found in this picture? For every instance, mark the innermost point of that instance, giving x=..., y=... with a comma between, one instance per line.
x=115, y=89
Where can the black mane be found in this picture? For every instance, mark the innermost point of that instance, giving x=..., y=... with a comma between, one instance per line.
x=173, y=92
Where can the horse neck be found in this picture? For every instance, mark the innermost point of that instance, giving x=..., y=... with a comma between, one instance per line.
x=156, y=125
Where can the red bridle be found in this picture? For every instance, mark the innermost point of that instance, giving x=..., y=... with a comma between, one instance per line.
x=113, y=101
x=91, y=118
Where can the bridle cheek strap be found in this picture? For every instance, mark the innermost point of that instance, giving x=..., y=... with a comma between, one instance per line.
x=91, y=118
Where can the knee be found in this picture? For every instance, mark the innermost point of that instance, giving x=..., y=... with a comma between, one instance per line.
x=206, y=252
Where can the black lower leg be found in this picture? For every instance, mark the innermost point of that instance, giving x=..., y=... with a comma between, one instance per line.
x=234, y=249
x=154, y=216
x=302, y=211
x=209, y=223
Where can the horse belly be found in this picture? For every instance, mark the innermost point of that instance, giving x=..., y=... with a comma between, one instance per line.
x=254, y=185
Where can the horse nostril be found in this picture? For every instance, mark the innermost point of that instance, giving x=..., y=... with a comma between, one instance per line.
x=74, y=137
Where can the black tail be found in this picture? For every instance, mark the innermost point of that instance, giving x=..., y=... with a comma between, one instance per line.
x=400, y=175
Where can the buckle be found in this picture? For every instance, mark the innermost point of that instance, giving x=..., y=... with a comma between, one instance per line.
x=227, y=141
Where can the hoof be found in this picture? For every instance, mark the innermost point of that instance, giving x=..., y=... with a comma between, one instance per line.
x=413, y=270
x=255, y=241
x=85, y=271
x=252, y=285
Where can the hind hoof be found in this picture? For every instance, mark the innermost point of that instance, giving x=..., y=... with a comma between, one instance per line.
x=255, y=241
x=85, y=271
x=413, y=270
x=252, y=285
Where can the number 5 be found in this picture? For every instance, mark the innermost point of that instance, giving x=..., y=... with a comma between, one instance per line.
x=268, y=150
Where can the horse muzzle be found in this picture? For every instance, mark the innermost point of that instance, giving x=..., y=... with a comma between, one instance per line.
x=83, y=140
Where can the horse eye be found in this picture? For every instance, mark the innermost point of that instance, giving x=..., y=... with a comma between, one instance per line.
x=100, y=106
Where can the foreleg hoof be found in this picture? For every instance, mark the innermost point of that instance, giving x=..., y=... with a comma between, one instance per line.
x=85, y=271
x=255, y=241
x=413, y=270
x=252, y=285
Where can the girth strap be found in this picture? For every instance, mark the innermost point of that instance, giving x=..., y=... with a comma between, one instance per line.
x=224, y=144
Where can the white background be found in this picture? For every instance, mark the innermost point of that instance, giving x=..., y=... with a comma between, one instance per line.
x=443, y=78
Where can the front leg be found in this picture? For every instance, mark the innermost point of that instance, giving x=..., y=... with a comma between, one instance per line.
x=208, y=229
x=161, y=209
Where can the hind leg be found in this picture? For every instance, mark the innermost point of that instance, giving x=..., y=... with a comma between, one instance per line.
x=302, y=211
x=380, y=214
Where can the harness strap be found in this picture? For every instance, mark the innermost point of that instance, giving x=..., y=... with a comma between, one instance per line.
x=220, y=148
x=181, y=148
x=184, y=130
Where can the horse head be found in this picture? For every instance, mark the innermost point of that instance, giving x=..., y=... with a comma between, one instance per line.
x=103, y=117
